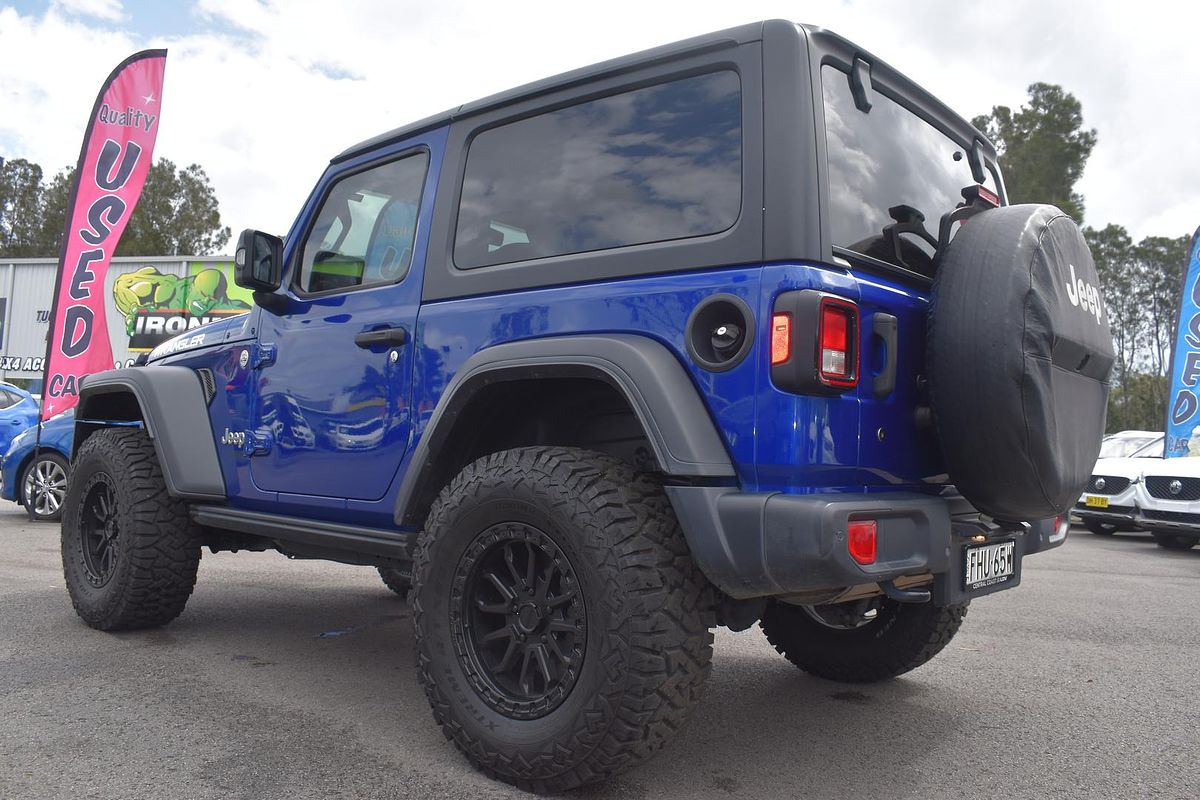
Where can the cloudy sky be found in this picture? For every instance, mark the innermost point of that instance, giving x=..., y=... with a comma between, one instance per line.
x=262, y=93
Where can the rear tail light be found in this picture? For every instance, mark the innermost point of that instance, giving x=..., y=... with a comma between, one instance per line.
x=838, y=342
x=861, y=540
x=814, y=343
x=1062, y=524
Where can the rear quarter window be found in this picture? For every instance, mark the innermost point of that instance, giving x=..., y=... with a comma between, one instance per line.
x=653, y=164
x=880, y=161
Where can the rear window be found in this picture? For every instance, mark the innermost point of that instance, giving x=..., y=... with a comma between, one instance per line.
x=654, y=164
x=881, y=162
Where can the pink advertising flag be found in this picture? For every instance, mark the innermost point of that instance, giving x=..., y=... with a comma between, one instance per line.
x=112, y=169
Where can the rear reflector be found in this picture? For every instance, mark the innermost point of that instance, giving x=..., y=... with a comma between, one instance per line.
x=781, y=338
x=861, y=540
x=838, y=354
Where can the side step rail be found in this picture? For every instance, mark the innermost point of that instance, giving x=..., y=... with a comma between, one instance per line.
x=376, y=542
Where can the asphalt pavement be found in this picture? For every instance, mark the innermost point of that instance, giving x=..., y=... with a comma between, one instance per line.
x=292, y=679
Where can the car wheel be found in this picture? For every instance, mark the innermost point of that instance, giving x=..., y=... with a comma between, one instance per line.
x=398, y=580
x=130, y=551
x=44, y=486
x=861, y=642
x=562, y=628
x=1100, y=528
x=1173, y=541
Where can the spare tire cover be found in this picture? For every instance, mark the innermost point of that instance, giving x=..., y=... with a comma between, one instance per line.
x=1019, y=357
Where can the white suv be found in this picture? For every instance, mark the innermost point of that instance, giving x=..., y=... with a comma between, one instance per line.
x=1168, y=502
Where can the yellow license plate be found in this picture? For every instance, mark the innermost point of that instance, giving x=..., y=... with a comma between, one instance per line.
x=1096, y=502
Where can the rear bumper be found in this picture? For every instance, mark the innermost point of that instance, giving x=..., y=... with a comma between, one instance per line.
x=756, y=545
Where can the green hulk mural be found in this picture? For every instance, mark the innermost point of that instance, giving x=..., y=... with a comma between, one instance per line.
x=147, y=290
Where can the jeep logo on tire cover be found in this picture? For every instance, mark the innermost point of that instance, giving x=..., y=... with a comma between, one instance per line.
x=1085, y=296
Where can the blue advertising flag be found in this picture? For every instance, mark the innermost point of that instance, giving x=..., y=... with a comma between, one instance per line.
x=1183, y=419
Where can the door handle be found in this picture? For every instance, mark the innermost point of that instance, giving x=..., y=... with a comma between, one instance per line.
x=885, y=327
x=382, y=336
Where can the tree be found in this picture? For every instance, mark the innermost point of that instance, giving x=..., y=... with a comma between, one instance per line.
x=1042, y=147
x=178, y=214
x=1112, y=250
x=1161, y=262
x=56, y=195
x=1137, y=403
x=20, y=208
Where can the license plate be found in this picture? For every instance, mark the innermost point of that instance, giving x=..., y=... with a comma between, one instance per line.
x=990, y=564
x=1096, y=502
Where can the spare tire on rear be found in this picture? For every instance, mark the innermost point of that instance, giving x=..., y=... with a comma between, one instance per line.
x=1019, y=357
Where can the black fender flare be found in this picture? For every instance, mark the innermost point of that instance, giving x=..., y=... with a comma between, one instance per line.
x=681, y=432
x=174, y=410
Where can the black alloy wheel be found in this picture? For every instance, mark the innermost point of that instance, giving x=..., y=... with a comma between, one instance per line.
x=521, y=627
x=99, y=530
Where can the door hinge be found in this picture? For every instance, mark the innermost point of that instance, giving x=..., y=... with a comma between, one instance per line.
x=262, y=355
x=258, y=443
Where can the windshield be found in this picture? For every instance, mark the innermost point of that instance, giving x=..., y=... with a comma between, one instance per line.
x=888, y=167
x=1131, y=446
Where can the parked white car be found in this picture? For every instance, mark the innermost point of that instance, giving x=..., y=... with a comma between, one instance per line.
x=1108, y=503
x=1168, y=502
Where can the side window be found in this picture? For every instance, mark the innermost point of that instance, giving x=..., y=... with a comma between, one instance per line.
x=653, y=164
x=365, y=230
x=7, y=400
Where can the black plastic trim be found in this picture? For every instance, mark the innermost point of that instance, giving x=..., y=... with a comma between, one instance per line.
x=175, y=412
x=886, y=327
x=677, y=424
x=766, y=544
x=309, y=532
x=720, y=40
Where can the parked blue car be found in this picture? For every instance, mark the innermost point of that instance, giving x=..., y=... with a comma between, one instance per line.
x=18, y=411
x=36, y=477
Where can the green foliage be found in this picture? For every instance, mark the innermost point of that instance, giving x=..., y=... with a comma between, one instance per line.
x=1042, y=146
x=20, y=208
x=177, y=213
x=1137, y=402
x=1141, y=285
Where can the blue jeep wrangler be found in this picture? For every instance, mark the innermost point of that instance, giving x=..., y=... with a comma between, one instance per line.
x=737, y=329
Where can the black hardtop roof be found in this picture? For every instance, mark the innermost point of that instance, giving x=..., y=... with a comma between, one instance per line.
x=717, y=40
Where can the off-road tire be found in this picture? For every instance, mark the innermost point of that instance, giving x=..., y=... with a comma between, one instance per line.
x=156, y=547
x=901, y=638
x=396, y=580
x=43, y=460
x=1173, y=541
x=1100, y=528
x=649, y=610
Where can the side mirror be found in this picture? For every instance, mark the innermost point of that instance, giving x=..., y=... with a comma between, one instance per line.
x=258, y=261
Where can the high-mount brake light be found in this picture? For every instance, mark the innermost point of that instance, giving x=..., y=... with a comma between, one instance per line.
x=981, y=194
x=838, y=339
x=781, y=338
